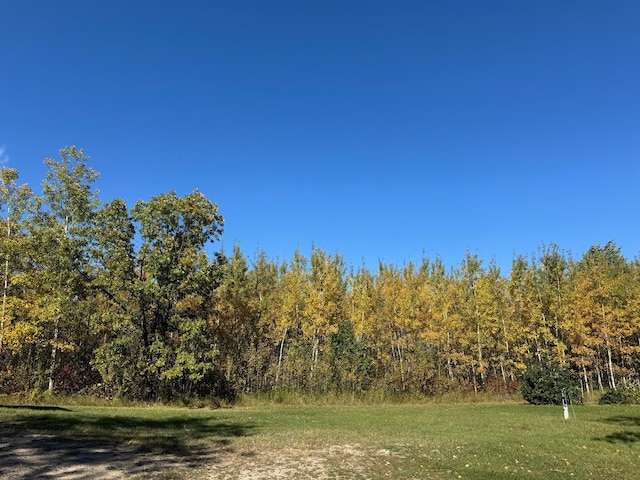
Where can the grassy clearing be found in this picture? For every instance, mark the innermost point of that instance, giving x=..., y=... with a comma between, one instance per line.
x=402, y=441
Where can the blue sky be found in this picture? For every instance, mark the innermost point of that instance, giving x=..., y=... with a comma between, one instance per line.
x=379, y=130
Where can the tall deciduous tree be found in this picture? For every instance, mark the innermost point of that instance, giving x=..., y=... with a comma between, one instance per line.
x=467, y=278
x=119, y=317
x=177, y=280
x=444, y=318
x=263, y=279
x=491, y=294
x=523, y=313
x=553, y=291
x=323, y=308
x=235, y=321
x=15, y=202
x=285, y=318
x=601, y=326
x=63, y=232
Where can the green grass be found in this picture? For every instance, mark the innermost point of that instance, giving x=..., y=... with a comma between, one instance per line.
x=402, y=441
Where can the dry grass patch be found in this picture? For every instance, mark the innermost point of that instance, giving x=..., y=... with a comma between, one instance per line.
x=351, y=461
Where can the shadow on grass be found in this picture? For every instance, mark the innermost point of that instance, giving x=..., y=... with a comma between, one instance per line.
x=65, y=443
x=630, y=432
x=35, y=407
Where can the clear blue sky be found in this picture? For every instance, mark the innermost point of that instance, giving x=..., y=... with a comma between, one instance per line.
x=380, y=130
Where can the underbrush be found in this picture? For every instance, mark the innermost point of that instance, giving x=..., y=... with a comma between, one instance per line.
x=282, y=396
x=276, y=396
x=44, y=398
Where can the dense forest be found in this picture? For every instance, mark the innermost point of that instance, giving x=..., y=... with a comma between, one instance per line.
x=118, y=301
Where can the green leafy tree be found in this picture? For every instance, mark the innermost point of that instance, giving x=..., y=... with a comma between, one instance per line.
x=177, y=280
x=118, y=316
x=62, y=233
x=545, y=382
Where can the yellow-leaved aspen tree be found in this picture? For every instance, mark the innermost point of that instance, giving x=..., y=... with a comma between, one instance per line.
x=599, y=303
x=324, y=302
x=288, y=307
x=522, y=312
x=468, y=275
x=14, y=201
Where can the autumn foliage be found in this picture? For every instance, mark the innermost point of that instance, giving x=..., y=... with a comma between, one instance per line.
x=112, y=300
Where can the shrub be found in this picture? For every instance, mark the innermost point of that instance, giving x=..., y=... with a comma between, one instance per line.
x=624, y=395
x=613, y=397
x=633, y=395
x=543, y=383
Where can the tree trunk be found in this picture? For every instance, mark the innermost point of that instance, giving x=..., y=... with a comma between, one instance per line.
x=53, y=356
x=449, y=366
x=314, y=355
x=599, y=378
x=480, y=364
x=612, y=380
x=586, y=378
x=6, y=283
x=284, y=337
x=4, y=301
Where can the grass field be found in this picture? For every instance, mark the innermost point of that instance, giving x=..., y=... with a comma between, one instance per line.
x=401, y=441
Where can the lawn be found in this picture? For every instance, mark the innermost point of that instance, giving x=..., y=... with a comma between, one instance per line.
x=401, y=441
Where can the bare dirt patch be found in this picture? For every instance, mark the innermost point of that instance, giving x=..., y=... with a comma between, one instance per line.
x=328, y=462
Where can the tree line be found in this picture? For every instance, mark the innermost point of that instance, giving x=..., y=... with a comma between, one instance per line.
x=106, y=299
